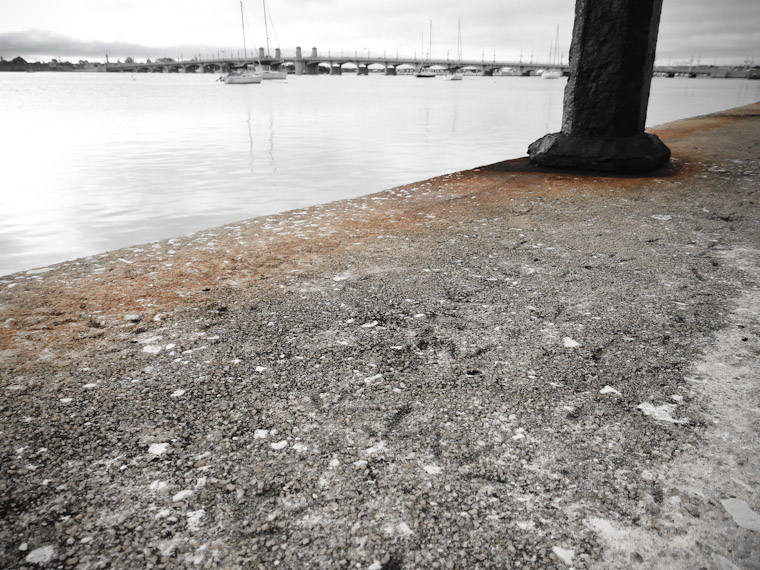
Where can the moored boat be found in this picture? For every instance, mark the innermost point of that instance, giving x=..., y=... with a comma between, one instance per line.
x=426, y=71
x=555, y=72
x=267, y=70
x=552, y=74
x=272, y=73
x=243, y=76
x=457, y=74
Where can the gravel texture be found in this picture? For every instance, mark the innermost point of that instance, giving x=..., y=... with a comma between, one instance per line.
x=507, y=367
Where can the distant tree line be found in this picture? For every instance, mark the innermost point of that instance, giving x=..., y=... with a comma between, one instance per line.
x=20, y=64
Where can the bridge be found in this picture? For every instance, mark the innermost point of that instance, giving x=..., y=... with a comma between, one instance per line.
x=701, y=71
x=336, y=64
x=333, y=64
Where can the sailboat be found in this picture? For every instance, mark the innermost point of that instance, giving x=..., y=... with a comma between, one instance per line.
x=267, y=70
x=457, y=75
x=426, y=71
x=556, y=72
x=243, y=75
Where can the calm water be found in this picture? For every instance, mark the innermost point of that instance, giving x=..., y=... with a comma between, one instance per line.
x=92, y=162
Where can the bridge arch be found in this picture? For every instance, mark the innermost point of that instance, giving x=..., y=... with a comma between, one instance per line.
x=212, y=68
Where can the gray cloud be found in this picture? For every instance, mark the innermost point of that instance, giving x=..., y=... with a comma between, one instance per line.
x=705, y=28
x=45, y=45
x=710, y=29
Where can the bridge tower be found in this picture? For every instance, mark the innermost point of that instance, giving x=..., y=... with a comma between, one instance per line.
x=301, y=68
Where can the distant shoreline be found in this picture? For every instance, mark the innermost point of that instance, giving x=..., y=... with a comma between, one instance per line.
x=20, y=65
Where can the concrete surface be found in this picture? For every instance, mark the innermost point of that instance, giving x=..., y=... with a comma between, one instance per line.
x=499, y=368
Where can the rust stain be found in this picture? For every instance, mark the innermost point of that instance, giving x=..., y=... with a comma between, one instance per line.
x=71, y=306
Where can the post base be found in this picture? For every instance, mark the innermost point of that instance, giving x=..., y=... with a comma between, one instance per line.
x=641, y=153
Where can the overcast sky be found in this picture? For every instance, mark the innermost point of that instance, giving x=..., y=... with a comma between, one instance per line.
x=726, y=31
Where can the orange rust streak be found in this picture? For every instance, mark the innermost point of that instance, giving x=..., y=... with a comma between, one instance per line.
x=65, y=308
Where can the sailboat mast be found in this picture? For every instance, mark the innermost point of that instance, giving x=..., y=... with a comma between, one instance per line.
x=430, y=40
x=459, y=40
x=266, y=27
x=242, y=24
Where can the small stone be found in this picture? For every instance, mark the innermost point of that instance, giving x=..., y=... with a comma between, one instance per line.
x=564, y=554
x=41, y=555
x=158, y=448
x=742, y=514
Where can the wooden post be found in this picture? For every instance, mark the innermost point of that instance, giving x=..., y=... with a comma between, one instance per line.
x=606, y=97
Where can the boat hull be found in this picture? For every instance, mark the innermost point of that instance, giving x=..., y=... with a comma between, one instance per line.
x=552, y=74
x=269, y=74
x=243, y=78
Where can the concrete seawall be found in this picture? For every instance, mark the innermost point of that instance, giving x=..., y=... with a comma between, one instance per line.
x=505, y=367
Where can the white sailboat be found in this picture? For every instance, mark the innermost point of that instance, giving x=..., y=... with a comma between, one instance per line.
x=243, y=75
x=555, y=72
x=267, y=70
x=552, y=74
x=423, y=71
x=457, y=75
x=269, y=73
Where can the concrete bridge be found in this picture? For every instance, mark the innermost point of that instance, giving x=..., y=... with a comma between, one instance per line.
x=338, y=63
x=701, y=71
x=196, y=65
x=333, y=64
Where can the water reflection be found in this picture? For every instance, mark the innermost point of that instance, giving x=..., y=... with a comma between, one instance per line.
x=101, y=161
x=549, y=110
x=250, y=141
x=271, y=142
